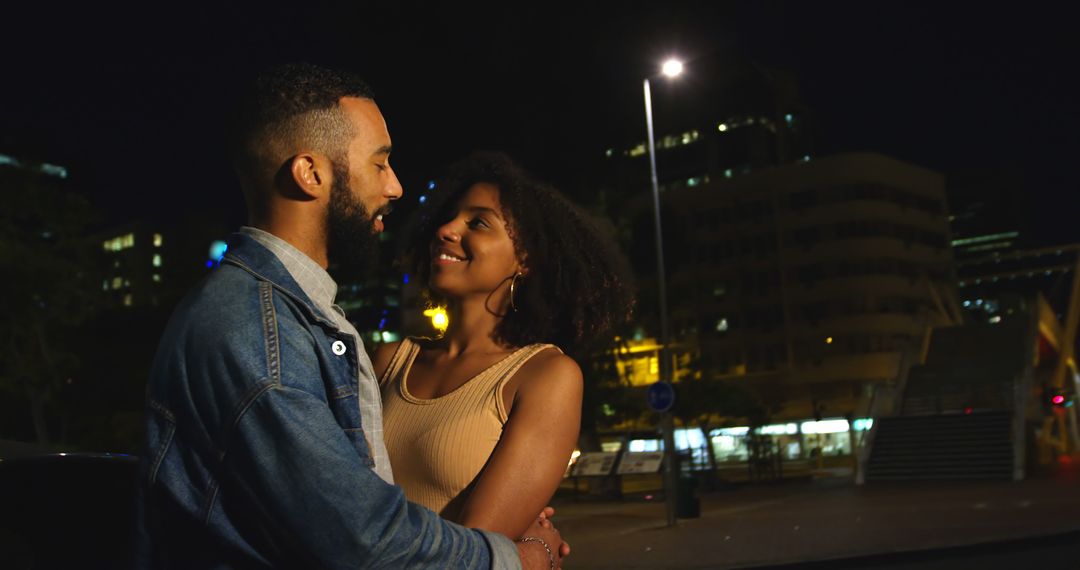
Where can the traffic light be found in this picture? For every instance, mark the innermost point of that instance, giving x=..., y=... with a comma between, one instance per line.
x=1059, y=399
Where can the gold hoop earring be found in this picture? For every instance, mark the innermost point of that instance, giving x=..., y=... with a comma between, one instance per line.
x=513, y=281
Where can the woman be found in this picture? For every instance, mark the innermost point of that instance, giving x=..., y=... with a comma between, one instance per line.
x=480, y=423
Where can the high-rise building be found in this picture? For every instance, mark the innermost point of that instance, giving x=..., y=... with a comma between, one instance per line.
x=760, y=123
x=987, y=213
x=807, y=283
x=134, y=256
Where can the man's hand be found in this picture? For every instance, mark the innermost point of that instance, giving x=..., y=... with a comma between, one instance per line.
x=533, y=554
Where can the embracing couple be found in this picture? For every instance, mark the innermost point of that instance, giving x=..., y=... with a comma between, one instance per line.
x=273, y=441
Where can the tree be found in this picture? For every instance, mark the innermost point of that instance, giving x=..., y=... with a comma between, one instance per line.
x=50, y=285
x=699, y=400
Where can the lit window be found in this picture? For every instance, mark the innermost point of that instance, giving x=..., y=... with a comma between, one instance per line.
x=638, y=150
x=105, y=285
x=157, y=260
x=117, y=283
x=722, y=325
x=114, y=244
x=825, y=426
x=609, y=152
x=128, y=300
x=156, y=277
x=789, y=118
x=728, y=173
x=779, y=429
x=127, y=241
x=157, y=240
x=54, y=170
x=654, y=365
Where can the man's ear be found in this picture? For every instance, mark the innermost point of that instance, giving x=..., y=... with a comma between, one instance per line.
x=312, y=174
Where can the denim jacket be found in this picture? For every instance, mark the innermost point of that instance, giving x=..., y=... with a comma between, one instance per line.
x=255, y=456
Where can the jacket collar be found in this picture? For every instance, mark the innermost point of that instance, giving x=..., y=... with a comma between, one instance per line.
x=251, y=256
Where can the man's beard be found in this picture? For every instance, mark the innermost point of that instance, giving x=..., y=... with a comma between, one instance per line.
x=351, y=240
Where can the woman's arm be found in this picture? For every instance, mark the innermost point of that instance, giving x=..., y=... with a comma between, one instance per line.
x=529, y=461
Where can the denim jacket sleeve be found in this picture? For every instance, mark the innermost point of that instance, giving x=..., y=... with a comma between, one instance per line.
x=293, y=463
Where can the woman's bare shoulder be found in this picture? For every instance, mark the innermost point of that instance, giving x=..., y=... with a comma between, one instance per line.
x=549, y=370
x=384, y=353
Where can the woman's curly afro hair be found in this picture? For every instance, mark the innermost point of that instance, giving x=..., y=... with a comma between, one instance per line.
x=579, y=285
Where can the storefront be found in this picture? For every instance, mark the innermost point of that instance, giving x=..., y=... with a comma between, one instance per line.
x=792, y=440
x=801, y=440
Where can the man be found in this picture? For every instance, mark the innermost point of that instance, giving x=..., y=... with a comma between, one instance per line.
x=264, y=429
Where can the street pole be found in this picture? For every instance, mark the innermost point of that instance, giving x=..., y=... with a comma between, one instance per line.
x=667, y=426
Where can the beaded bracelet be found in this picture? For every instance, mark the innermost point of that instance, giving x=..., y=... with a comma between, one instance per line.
x=551, y=557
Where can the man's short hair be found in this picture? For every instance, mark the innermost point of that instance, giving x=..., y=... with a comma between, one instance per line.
x=287, y=109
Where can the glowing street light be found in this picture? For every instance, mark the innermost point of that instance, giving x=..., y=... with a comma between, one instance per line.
x=438, y=317
x=670, y=68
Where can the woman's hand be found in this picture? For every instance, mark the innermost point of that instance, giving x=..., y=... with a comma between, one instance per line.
x=542, y=547
x=546, y=514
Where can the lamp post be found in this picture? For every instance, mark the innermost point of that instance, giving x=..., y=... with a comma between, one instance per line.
x=671, y=68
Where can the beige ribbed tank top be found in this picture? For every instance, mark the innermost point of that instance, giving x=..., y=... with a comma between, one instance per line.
x=437, y=447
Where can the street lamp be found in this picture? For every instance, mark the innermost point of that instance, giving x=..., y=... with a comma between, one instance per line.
x=670, y=68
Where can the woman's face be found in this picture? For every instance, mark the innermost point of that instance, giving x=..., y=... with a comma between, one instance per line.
x=472, y=253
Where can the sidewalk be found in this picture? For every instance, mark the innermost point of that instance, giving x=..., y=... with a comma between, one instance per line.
x=815, y=520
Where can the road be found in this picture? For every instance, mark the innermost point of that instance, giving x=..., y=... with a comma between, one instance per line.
x=800, y=522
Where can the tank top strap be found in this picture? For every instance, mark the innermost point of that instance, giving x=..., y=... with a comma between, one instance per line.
x=399, y=363
x=506, y=370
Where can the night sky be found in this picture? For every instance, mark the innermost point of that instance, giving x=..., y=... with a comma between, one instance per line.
x=131, y=100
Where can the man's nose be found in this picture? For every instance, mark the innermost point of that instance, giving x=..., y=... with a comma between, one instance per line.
x=394, y=189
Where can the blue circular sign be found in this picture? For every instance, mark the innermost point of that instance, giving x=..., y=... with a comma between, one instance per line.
x=661, y=396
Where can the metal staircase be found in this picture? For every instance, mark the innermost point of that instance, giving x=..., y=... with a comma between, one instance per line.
x=961, y=413
x=949, y=446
